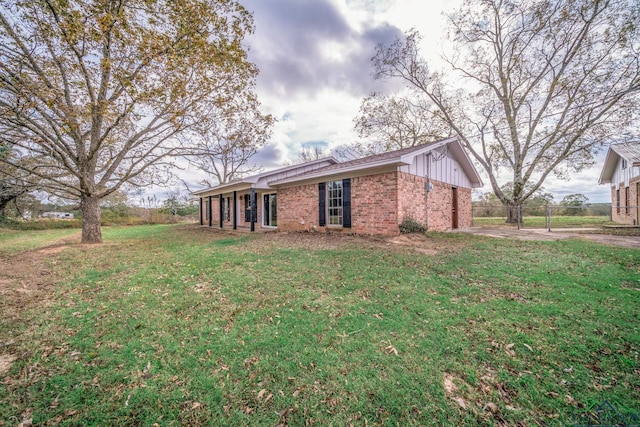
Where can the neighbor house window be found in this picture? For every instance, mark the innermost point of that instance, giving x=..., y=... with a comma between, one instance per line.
x=334, y=202
x=618, y=201
x=624, y=164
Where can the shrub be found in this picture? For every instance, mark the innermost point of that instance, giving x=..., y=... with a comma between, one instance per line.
x=410, y=225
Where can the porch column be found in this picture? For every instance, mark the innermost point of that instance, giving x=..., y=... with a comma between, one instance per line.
x=209, y=213
x=235, y=210
x=221, y=210
x=201, y=211
x=252, y=201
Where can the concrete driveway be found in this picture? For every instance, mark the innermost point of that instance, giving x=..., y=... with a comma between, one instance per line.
x=593, y=234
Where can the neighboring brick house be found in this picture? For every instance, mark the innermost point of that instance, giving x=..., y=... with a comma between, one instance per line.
x=430, y=184
x=621, y=169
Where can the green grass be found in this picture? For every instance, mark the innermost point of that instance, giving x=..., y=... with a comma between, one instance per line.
x=557, y=221
x=16, y=241
x=178, y=325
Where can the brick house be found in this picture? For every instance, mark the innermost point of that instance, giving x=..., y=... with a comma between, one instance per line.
x=621, y=170
x=430, y=184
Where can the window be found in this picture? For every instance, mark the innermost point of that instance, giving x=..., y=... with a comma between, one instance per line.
x=334, y=202
x=627, y=201
x=270, y=208
x=624, y=164
x=618, y=201
x=247, y=208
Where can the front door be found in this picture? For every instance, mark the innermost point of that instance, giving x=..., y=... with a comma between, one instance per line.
x=270, y=207
x=454, y=207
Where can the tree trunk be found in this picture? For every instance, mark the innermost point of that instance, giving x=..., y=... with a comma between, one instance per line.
x=513, y=214
x=91, y=215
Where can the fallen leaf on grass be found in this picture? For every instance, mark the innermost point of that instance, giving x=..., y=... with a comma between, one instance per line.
x=261, y=393
x=571, y=400
x=449, y=387
x=391, y=349
x=461, y=402
x=5, y=362
x=528, y=347
x=491, y=407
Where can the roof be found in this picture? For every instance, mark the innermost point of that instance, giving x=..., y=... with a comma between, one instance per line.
x=630, y=151
x=404, y=156
x=301, y=172
x=248, y=181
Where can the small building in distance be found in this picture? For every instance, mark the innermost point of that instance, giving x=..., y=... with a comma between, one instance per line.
x=57, y=215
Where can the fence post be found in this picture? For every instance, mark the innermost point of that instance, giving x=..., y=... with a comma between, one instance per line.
x=473, y=214
x=548, y=218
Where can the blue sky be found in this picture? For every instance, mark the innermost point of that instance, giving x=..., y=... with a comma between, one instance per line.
x=314, y=61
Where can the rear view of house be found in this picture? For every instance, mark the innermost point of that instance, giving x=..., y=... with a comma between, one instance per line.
x=621, y=170
x=429, y=184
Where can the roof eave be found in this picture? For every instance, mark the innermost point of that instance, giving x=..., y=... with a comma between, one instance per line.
x=609, y=167
x=340, y=171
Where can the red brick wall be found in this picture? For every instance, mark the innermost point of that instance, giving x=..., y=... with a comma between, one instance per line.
x=412, y=198
x=378, y=204
x=374, y=204
x=465, y=213
x=439, y=217
x=623, y=217
x=298, y=208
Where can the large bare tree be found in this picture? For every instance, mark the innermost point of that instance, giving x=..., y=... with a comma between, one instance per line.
x=100, y=89
x=388, y=123
x=533, y=88
x=228, y=136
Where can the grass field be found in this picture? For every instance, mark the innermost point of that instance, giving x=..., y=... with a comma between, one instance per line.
x=180, y=325
x=557, y=221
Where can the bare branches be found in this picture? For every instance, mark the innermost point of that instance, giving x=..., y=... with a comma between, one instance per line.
x=228, y=136
x=546, y=83
x=391, y=123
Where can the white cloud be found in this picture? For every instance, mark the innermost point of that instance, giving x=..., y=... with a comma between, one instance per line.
x=314, y=60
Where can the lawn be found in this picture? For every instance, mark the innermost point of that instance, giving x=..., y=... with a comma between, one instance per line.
x=557, y=221
x=182, y=325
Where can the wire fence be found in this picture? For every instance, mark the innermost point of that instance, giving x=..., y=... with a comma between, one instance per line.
x=555, y=216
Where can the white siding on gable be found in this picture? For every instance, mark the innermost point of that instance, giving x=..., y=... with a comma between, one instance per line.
x=623, y=176
x=439, y=167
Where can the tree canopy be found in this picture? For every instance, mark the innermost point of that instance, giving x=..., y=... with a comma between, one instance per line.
x=533, y=88
x=101, y=90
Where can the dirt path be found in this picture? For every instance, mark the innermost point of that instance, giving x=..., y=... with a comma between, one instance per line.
x=26, y=279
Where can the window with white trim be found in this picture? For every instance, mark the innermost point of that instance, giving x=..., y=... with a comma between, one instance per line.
x=334, y=202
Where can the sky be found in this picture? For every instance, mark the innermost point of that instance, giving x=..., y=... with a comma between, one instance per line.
x=314, y=61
